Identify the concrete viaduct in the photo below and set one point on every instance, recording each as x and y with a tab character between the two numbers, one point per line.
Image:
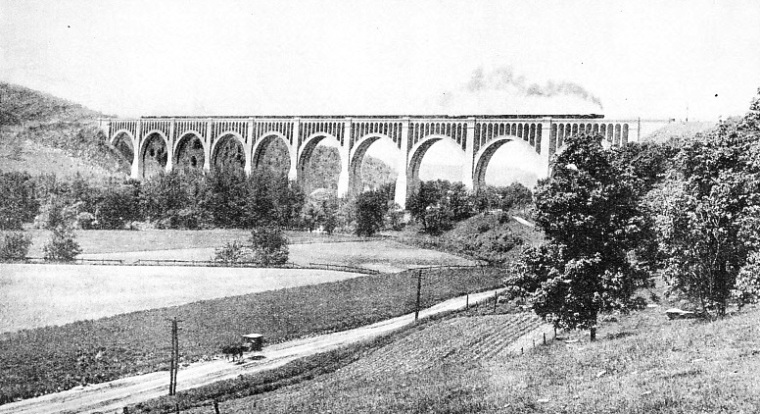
161	143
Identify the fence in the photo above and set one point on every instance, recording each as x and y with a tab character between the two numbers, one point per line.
203	263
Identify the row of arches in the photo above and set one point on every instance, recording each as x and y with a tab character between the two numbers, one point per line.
273	151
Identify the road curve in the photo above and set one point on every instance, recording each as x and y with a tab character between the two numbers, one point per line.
113	396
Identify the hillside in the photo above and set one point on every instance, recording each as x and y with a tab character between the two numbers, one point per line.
678	131
42	134
642	363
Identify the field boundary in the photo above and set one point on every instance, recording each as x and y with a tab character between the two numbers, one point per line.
200	263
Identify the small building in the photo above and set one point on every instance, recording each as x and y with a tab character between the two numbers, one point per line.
253	342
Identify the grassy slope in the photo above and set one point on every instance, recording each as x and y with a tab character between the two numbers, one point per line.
642	363
55	358
40	133
678	130
478	227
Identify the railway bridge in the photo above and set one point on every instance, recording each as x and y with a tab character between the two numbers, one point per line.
164	143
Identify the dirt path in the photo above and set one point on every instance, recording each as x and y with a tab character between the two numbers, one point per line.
113	396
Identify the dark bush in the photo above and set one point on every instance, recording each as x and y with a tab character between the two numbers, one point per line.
14	247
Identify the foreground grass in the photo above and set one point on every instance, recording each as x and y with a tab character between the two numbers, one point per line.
641	363
52	359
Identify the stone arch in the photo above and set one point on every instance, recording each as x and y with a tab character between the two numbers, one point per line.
154	153
485	153
189	150
264	142
305	153
358	153
416	155
125	146
228	152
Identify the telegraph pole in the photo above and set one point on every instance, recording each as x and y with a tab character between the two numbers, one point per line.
174	364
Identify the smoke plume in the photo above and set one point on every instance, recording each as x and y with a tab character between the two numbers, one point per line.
502	90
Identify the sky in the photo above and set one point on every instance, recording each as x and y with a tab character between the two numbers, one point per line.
624	59
649	59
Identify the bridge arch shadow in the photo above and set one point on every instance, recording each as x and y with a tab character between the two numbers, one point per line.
154	153
228	152
269	142
124	142
189	151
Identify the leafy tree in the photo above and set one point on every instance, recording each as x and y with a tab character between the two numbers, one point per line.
233	253
311	215
330	214
708	220
269	246
437	204
118	206
62	247
18	203
370	209
590	211
14	247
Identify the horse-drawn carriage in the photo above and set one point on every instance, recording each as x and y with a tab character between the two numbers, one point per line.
250	343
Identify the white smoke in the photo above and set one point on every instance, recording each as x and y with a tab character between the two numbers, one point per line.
502	91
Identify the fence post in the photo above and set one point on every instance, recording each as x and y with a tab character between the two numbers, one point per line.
216	406
544	338
176	407
495	300
419	288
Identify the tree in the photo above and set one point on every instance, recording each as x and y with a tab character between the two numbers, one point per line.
14	247
590	211
269	246
708	219
18	203
233	253
437	204
370	209
62	247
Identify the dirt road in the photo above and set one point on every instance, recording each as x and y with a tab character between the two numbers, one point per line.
113	396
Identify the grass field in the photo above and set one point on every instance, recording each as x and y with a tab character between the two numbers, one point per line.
382	255
434	367
641	363
51	359
34	296
110	241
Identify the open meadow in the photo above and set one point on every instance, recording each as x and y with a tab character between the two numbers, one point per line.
111	241
34	296
44	360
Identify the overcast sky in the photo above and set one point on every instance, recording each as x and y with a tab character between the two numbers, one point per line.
619	58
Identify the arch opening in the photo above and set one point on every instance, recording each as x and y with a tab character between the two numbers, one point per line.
122	141
435	158
190	153
272	155
229	154
319	165
154	155
374	164
508	160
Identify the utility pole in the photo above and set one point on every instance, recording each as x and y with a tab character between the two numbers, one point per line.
419	288
174	364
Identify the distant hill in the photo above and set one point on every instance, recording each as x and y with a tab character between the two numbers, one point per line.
43	134
678	131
